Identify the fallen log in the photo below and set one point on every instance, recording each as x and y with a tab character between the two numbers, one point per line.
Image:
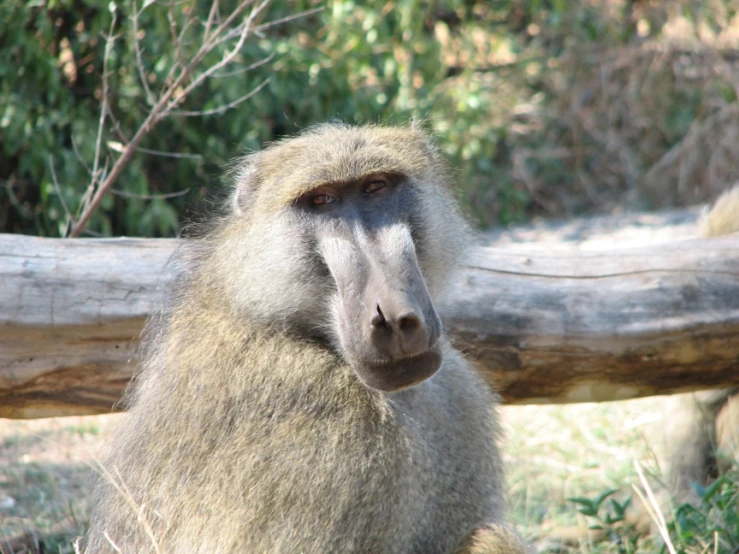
544	324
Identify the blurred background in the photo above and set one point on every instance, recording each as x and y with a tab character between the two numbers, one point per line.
545	108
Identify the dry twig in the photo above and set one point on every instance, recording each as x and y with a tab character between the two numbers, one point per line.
652	506
181	80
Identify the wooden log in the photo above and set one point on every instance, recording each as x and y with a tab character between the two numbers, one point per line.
544	324
70	314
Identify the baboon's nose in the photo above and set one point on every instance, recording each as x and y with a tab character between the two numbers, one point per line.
400	330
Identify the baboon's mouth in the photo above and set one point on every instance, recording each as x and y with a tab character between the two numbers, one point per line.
398	374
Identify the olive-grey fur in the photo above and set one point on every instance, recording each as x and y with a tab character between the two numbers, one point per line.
248	431
701	433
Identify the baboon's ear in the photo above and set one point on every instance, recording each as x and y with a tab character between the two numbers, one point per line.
417	126
425	140
243	194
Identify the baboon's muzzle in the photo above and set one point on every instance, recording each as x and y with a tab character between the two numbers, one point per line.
387	324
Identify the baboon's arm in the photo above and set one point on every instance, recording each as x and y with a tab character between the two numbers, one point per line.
493	539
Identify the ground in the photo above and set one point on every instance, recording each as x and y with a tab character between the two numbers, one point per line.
552	453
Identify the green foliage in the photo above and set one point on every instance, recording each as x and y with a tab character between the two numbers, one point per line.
712	525
51	108
543	106
608	514
591	507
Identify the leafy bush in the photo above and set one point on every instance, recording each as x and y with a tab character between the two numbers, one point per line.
543	106
712	525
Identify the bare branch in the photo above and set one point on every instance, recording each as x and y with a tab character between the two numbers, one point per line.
104	171
137	49
117	130
229	36
211	18
178	39
244	69
119	147
181	37
225	107
169	78
79	157
211	42
167	100
90	190
14	200
165	195
161	110
94	177
288	18
227	58
173	33
67	213
164	154
233	33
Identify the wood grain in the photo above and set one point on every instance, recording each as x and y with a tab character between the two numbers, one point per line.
559	321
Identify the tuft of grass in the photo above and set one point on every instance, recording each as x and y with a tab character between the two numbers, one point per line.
713	524
45	481
574	484
571	476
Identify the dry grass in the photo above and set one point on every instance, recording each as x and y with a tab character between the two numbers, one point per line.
45	479
552	453
640	114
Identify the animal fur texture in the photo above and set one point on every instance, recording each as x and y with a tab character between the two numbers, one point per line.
248	428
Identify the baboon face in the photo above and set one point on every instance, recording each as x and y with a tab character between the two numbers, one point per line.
342	247
386	323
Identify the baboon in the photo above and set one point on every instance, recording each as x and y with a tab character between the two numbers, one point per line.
297	392
702	437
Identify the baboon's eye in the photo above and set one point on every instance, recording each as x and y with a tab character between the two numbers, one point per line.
374	185
322	198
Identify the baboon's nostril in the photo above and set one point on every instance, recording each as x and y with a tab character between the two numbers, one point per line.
409	322
399	329
379	318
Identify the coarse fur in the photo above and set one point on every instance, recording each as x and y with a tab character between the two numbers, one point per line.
702	433
251	424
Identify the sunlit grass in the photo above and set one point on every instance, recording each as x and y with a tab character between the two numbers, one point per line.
552	453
